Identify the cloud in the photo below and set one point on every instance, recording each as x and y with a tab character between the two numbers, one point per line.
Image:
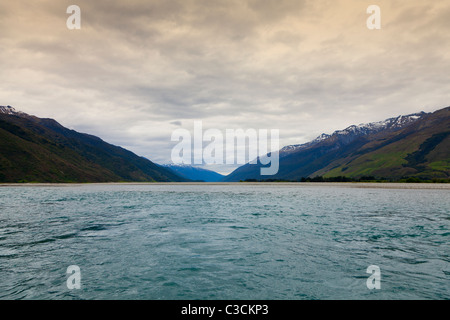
177	123
138	69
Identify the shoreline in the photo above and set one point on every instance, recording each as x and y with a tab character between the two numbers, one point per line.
375	185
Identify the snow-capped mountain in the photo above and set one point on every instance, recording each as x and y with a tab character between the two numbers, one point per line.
373	127
363	129
394	148
296	147
9	110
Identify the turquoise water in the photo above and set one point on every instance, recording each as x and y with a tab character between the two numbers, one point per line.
223	242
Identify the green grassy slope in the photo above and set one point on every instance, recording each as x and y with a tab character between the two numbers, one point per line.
420	150
41	150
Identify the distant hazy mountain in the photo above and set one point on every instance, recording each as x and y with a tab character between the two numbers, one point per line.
42	150
195	173
416	145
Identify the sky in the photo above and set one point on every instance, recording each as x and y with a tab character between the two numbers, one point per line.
138	70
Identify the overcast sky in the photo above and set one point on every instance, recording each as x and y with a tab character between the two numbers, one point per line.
137	70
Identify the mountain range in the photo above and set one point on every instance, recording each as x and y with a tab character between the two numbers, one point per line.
415	145
42	150
411	146
194	173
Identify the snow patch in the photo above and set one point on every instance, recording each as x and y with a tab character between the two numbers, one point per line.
361	129
10	110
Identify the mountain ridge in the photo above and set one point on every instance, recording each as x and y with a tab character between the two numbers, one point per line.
363	128
325	155
195	173
42	150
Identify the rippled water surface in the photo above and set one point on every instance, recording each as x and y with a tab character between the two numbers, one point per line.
223	242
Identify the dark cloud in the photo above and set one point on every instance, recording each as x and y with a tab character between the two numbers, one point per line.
176	123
